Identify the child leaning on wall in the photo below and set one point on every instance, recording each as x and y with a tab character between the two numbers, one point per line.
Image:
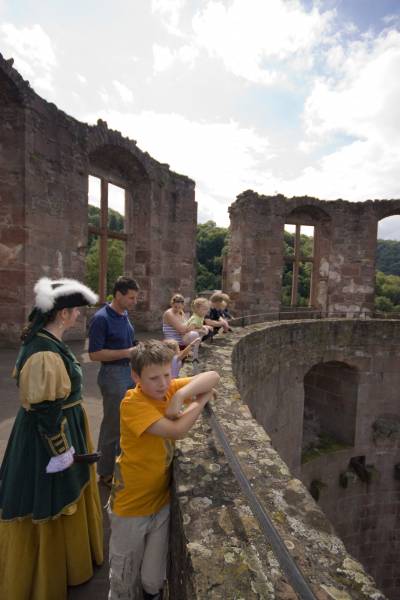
179	355
200	307
152	418
214	317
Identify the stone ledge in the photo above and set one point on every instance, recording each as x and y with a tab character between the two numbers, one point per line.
217	549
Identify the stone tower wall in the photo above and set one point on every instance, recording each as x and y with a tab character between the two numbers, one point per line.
344	256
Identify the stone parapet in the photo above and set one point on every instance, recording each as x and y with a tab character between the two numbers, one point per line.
217	549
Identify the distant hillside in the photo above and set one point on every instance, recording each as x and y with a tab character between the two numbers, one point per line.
388	257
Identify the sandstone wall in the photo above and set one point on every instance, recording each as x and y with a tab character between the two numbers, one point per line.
46	158
344	256
355	388
218	551
12	209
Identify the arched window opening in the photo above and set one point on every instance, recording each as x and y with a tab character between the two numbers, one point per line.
330	409
106	246
297	278
387	272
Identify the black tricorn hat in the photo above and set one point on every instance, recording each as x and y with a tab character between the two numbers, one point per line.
62	293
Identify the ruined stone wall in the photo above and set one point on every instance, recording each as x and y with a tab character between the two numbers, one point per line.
345	247
217	548
278	367
45	161
12	209
253	267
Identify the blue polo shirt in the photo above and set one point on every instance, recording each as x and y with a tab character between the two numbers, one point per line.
112	331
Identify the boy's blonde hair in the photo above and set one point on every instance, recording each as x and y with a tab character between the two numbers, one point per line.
225	297
200	301
150	352
217	297
172	344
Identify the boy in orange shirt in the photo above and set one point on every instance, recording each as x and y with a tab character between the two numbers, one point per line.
152	418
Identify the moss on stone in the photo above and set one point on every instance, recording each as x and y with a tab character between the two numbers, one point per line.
324	445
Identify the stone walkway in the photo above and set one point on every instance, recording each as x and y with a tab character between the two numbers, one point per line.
97	587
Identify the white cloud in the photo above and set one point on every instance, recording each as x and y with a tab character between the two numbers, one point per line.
365	100
389	228
223	158
105	96
362	105
124	92
81	78
164	58
170	11
248	34
33	52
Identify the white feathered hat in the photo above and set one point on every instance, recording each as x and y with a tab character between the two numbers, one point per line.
62	293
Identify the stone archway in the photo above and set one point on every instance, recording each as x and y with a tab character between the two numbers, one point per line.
330	408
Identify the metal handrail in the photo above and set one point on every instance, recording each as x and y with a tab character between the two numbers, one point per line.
286	561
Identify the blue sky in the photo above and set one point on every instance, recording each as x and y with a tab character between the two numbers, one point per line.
290	96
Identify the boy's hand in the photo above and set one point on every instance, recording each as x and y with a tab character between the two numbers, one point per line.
206	397
175	407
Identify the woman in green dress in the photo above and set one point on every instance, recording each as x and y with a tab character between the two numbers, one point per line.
50	513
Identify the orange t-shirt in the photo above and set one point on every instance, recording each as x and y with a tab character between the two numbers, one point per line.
143	469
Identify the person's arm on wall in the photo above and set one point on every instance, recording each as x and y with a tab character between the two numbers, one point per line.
177	429
199	384
187	350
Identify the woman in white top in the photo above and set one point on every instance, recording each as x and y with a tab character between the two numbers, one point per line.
174	325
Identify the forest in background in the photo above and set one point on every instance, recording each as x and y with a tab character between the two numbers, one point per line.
211	245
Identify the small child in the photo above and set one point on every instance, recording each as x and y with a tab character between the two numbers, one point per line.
214	316
200	307
151	419
179	355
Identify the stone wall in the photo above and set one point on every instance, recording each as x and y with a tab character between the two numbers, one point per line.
350	371
45	160
345	235
218	551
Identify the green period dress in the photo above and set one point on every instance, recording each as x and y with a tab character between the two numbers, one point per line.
50	524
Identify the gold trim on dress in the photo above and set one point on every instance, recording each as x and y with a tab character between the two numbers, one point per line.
58	443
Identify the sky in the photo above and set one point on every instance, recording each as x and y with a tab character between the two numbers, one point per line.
299	97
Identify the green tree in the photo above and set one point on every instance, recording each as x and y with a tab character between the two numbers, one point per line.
383	304
388	257
115	254
115	221
115	264
304	281
387	292
211	241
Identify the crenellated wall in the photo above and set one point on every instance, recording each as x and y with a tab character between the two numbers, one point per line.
218	551
46	158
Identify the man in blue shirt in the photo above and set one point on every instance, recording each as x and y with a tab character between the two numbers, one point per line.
111	339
